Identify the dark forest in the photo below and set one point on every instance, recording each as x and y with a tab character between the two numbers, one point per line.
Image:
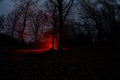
60	39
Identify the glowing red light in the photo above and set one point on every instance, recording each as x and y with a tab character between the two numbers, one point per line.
48	43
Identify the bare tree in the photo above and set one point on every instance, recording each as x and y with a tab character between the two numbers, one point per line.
63	8
55	24
110	11
12	21
37	24
90	13
105	15
52	11
26	8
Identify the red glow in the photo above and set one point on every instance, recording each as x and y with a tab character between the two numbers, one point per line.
48	42
46	46
33	51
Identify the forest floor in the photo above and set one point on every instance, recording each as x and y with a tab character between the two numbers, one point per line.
73	64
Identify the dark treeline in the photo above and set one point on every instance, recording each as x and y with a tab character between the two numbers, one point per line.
74	22
101	20
98	24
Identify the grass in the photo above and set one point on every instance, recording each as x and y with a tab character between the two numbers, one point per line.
74	64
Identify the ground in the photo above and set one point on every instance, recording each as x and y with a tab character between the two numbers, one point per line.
76	64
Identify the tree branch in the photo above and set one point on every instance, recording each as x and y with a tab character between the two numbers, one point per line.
67	5
54	3
70	5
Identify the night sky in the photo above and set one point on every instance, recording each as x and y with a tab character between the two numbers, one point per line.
7	5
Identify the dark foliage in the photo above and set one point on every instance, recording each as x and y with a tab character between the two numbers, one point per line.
8	42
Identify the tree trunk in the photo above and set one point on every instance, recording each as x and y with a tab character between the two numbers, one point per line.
53	36
60	29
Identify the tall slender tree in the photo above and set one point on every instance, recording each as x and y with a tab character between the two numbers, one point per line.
62	8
